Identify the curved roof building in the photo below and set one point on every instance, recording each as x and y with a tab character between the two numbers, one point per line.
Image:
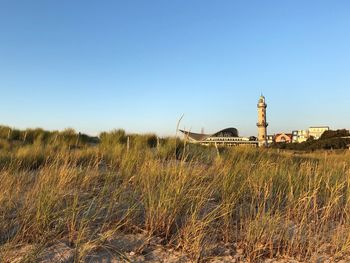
226	137
228	132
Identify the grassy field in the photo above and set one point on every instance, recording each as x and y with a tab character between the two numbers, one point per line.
262	203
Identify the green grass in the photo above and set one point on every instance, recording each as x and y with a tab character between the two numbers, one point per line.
269	204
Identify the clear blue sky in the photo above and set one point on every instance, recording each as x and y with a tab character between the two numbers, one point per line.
140	65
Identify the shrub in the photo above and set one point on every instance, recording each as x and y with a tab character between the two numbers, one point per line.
335	134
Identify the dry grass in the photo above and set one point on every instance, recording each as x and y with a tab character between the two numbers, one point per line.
265	203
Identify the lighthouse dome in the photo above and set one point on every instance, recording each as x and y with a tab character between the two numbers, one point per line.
262	99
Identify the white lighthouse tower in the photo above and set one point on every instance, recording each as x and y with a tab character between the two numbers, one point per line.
262	124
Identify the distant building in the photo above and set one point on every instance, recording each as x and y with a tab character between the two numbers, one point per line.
270	139
283	137
226	137
294	136
300	136
317	131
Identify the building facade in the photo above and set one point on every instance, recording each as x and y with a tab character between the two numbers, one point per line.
317	131
300	136
270	139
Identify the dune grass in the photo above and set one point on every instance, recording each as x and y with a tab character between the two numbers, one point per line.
265	203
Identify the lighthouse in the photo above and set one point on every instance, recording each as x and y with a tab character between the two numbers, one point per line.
262	124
